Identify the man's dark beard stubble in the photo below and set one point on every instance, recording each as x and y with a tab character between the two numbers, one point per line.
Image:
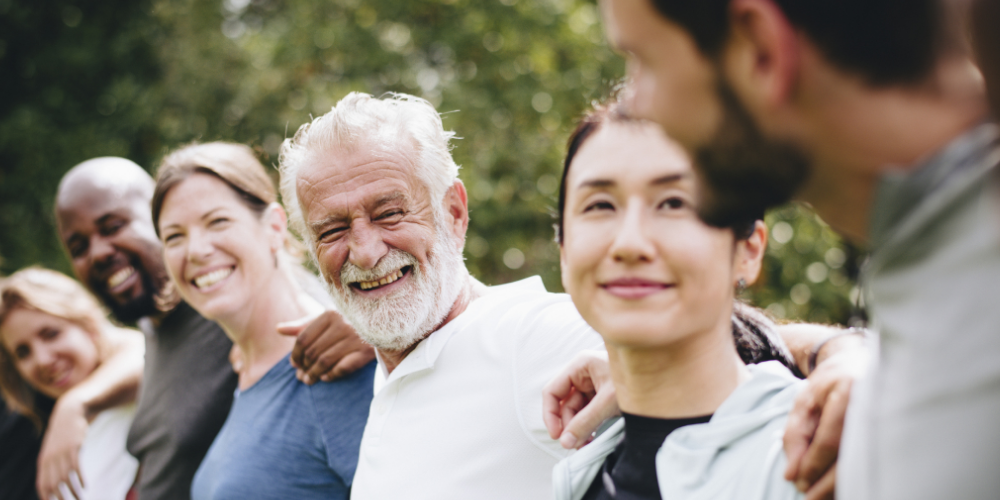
139	307
742	172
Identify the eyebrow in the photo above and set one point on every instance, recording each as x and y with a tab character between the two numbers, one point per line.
204	216
606	183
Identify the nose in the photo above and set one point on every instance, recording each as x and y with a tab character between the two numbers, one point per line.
631	245
199	246
101	250
42	357
365	245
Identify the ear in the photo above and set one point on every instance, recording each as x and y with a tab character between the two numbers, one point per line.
456	205
749	255
761	57
276	222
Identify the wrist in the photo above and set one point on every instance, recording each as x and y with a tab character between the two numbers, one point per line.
833	344
73	402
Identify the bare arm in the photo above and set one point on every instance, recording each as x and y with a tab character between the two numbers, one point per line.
802	339
116	381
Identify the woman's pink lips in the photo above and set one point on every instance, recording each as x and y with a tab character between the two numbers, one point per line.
633	288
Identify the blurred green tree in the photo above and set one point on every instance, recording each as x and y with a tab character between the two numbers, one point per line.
138	78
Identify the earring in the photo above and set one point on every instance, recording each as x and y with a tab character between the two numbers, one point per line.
741	285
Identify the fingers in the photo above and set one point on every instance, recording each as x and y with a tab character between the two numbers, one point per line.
52	472
601	407
354	360
293	328
802	423
570	381
824	488
321	356
329	348
308	330
822	452
553	394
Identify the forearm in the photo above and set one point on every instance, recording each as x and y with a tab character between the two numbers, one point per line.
803	338
116	381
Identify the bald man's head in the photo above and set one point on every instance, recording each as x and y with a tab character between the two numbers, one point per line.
102	212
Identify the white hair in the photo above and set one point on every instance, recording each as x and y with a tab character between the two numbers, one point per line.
360	120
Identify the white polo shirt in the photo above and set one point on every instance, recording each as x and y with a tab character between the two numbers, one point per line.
461	416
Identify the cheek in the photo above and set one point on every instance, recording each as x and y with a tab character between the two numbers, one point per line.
330	258
173	260
705	267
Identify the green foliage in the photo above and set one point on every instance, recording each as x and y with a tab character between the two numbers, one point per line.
137	78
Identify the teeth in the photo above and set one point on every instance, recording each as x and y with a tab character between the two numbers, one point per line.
209	279
391	277
120	276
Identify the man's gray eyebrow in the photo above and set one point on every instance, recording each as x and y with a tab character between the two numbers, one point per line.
389	198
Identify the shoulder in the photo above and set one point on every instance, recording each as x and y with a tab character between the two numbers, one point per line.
348	396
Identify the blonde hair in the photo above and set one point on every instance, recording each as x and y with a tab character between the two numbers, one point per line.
55	294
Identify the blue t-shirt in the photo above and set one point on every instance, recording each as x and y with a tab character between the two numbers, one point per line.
284	439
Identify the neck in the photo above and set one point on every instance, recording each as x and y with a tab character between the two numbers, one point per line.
856	134
254	330
471	290
689	378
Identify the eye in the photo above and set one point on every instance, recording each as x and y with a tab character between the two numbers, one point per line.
598	205
388	215
673	203
49	333
218	220
111	227
77	248
171	237
331	233
22	352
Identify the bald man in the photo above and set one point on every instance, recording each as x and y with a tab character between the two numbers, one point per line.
104	221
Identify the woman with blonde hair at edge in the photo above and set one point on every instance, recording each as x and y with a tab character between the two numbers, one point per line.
54	335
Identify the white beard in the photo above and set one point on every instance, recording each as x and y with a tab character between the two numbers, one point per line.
399	320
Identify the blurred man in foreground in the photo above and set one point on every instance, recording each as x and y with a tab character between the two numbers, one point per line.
103	214
870	111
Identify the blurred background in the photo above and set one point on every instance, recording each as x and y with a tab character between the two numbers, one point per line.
137	78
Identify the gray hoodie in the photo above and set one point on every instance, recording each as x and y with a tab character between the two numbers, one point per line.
737	455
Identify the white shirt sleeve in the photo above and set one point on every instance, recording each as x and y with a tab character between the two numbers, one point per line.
551	333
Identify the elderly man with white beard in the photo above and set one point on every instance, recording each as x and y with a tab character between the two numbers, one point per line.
374	191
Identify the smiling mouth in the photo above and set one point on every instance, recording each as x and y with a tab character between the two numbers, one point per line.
208	279
383	281
120	276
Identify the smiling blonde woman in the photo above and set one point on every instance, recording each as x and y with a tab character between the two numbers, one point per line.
54	335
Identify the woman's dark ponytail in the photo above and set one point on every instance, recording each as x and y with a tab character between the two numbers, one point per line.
757	338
